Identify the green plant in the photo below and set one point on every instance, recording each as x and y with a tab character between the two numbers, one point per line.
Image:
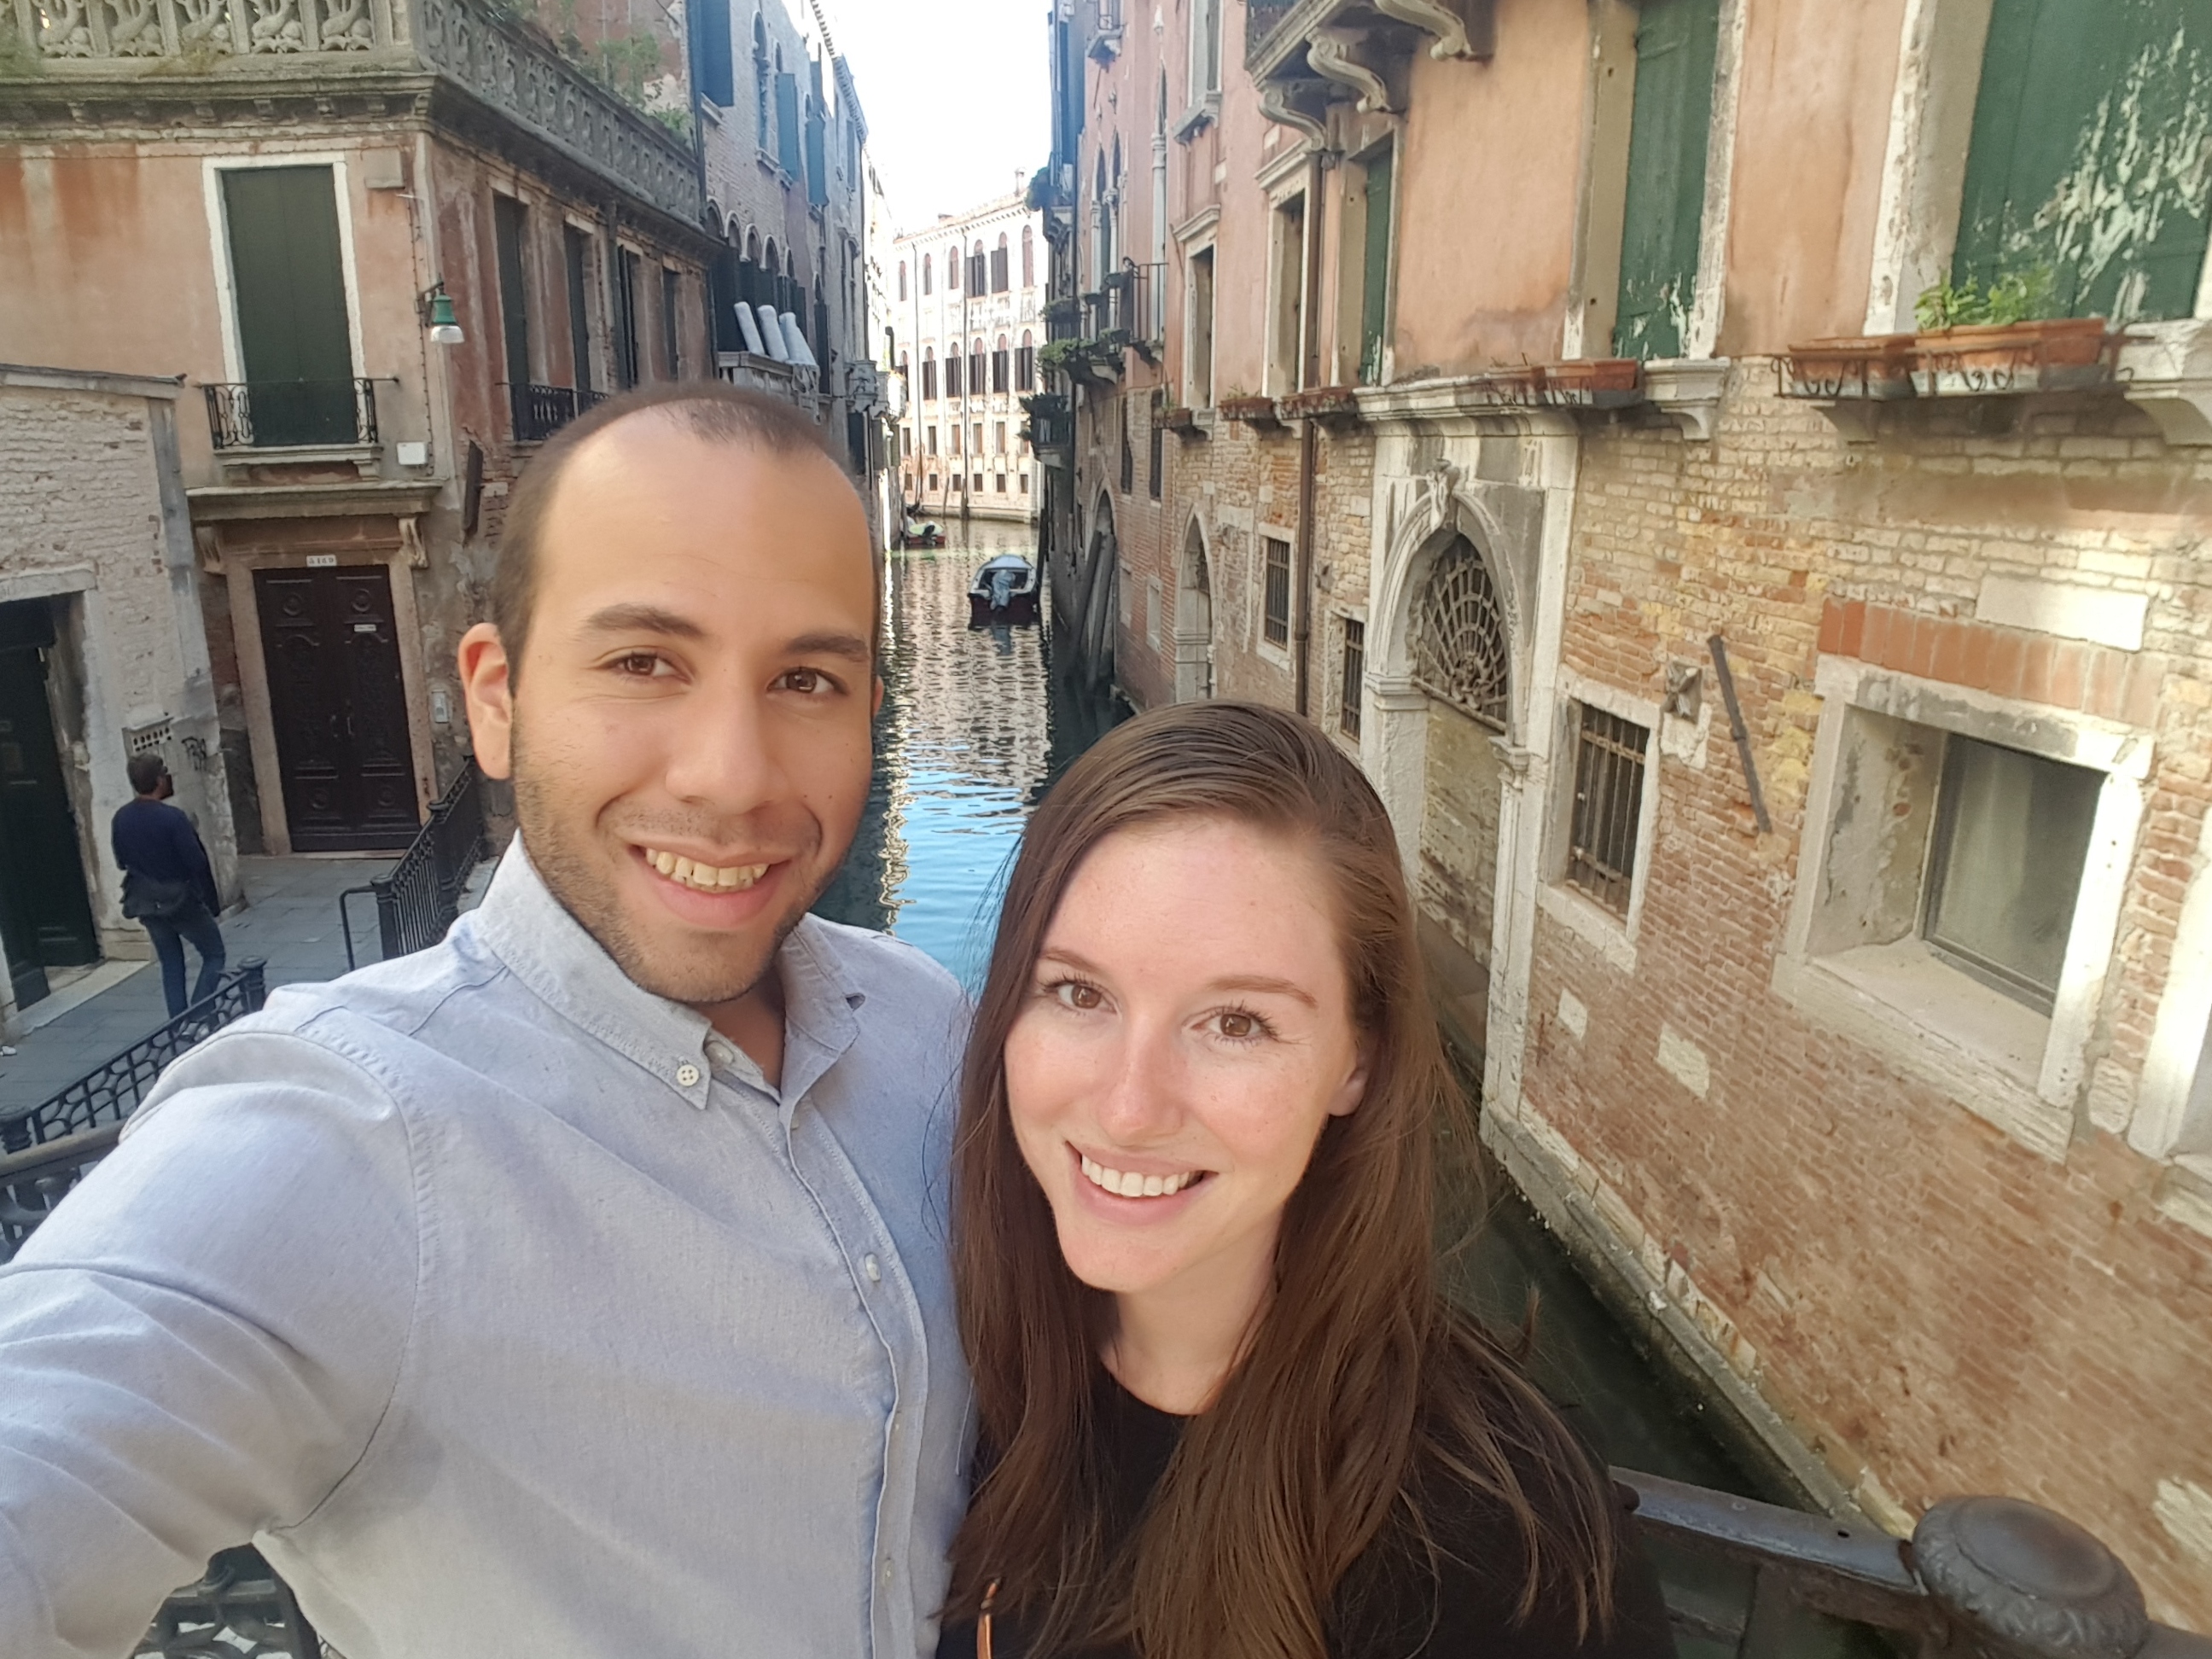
1054	356
2017	296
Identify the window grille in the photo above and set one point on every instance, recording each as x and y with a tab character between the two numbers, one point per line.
1275	624
1355	671
1459	635
1608	807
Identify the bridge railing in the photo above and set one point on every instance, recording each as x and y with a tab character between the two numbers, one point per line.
418	897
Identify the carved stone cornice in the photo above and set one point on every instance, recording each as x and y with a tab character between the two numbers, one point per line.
1321	51
1344	56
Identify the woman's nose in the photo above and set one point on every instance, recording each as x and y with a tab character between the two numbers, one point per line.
1143	1100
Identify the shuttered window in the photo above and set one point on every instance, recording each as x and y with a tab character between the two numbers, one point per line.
510	232
1677	43
2091	130
286	275
580	314
1375	271
787	122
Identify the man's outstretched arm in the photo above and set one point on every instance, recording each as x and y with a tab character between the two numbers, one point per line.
201	1342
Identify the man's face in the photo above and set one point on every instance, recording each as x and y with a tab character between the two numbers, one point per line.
688	730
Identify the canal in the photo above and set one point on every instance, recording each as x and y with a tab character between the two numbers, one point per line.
973	728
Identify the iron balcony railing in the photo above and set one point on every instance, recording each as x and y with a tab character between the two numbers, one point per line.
542	410
291	414
45	1150
418	898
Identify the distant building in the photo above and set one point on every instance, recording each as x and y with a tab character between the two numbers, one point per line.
967	294
296	208
784	143
103	656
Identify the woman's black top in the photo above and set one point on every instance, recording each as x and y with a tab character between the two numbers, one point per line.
1393	1606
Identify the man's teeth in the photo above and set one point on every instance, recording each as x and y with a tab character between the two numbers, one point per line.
705	878
1129	1184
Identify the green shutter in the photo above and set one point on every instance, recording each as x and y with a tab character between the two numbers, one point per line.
787	123
1375	272
289	285
2090	154
1677	42
507	229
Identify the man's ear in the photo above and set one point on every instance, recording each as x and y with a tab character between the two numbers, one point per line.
488	687
876	700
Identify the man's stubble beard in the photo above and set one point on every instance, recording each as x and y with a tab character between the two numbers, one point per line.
572	875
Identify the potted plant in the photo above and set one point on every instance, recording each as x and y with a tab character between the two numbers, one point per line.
1180	419
1257	412
1874	366
1594	383
2001	337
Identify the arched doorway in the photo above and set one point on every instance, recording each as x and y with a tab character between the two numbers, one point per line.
1194	620
1461	662
1100	584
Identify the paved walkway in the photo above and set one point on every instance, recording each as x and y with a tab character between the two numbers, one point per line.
291	919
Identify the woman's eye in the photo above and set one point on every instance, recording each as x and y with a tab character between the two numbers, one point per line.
1241	1026
1075	994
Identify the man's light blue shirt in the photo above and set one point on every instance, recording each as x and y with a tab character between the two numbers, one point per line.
510	1311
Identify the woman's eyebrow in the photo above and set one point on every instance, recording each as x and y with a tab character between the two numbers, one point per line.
1266	983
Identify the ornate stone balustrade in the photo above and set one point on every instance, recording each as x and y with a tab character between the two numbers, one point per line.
499	60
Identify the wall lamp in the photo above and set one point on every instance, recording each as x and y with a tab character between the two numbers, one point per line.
436	309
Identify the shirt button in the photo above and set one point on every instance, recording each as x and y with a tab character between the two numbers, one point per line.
887	1572
873	1268
686	1076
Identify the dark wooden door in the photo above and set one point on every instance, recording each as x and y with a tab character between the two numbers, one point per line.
336	699
46	910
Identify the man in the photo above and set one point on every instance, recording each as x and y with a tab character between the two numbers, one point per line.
575	1287
167	882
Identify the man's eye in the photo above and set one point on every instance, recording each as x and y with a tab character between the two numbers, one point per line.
807	682
640	664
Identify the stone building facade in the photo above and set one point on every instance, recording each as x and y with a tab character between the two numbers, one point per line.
967	298
1540	399
103	656
784	145
282	213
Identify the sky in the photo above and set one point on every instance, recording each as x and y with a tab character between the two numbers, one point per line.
957	97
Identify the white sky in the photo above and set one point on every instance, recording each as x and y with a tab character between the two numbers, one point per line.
957	97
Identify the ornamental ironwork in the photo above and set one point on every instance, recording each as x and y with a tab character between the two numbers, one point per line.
1459	635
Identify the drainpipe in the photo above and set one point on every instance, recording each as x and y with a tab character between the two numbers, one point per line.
1309	369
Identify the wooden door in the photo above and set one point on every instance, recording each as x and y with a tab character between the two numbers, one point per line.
46	910
336	699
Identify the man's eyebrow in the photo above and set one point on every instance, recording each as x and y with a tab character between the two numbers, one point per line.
641	619
853	647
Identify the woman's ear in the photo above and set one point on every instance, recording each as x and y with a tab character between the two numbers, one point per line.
1354	1087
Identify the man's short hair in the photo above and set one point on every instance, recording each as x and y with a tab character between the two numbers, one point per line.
708	408
145	772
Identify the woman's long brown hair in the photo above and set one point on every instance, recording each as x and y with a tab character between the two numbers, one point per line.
1358	1381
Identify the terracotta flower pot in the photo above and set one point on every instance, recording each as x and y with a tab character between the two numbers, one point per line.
2051	354
1878	366
1595	383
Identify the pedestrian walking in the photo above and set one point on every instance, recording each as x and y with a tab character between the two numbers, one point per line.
167	882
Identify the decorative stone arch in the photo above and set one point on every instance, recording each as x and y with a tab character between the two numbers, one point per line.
1194	616
1098	581
1450	643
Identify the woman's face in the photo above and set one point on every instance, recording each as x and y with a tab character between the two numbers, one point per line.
1186	1035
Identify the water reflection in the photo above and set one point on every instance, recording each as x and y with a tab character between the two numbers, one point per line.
973	726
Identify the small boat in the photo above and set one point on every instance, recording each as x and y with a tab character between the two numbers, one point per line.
1005	590
914	531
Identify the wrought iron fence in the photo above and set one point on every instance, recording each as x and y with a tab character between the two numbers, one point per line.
418	898
542	410
110	1092
240	1610
277	414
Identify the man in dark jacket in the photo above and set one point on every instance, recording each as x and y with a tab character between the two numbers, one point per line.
167	882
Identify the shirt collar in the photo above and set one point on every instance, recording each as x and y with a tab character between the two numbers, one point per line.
548	950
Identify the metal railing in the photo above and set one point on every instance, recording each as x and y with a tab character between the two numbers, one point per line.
542	410
240	1610
418	898
1994	1577
288	414
45	1150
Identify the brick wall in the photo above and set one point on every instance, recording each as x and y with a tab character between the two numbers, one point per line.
1934	1307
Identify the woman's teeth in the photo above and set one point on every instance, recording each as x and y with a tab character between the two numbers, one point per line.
705	878
1129	1184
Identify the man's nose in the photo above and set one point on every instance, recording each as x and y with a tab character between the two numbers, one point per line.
719	756
1143	1098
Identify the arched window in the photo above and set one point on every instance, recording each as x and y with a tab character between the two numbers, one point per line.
929	374
791	264
952	268
925	273
763	86
1029	259
1101	239
1459	635
999	265
902	279
1025	363
975	381
1001	366
752	245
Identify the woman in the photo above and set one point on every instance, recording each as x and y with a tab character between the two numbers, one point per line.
1224	1411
